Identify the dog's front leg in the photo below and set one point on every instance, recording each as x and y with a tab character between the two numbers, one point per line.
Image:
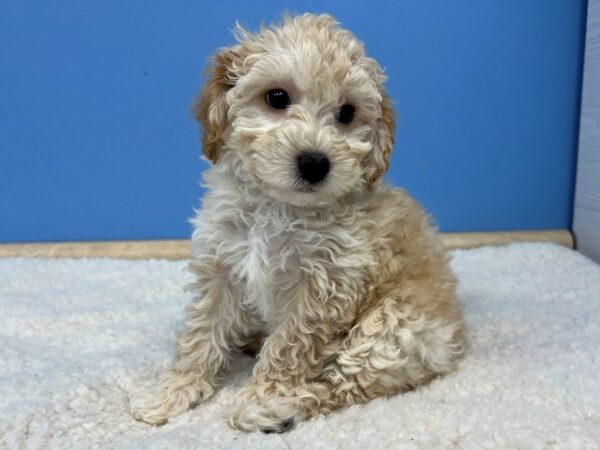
279	393
214	325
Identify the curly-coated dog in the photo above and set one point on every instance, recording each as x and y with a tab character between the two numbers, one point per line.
300	246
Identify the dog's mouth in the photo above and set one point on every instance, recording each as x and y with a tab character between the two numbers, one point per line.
301	185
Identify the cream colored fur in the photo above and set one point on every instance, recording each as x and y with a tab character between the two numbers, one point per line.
346	286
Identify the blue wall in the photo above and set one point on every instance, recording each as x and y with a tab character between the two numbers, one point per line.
96	141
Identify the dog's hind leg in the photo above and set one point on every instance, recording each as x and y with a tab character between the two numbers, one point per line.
393	348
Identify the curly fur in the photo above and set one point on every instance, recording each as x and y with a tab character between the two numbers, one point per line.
345	287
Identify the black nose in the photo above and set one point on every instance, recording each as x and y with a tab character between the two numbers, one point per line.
313	166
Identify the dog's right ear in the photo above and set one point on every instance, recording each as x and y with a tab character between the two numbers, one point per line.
210	107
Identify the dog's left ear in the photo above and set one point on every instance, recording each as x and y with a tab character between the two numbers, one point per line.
383	142
210	107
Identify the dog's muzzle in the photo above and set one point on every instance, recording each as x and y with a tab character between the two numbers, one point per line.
313	166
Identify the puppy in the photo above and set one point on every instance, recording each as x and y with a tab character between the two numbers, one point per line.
300	246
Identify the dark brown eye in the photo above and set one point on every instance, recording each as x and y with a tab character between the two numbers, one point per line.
346	114
277	98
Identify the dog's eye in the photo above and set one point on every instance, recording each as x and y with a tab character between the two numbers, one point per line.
346	114
277	98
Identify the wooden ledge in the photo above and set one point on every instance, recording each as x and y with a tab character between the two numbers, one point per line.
179	249
160	249
476	239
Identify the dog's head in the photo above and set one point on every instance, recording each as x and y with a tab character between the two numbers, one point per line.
304	109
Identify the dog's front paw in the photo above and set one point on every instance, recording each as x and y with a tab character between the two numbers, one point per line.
177	393
152	408
270	415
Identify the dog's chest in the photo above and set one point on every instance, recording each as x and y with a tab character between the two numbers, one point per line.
277	255
269	265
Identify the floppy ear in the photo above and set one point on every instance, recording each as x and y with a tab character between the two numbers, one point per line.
210	107
383	142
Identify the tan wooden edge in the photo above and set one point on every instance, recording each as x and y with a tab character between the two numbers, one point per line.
471	240
179	249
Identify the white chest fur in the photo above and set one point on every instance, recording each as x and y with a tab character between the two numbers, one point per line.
271	249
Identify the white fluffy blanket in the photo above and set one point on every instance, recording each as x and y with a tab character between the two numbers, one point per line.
75	335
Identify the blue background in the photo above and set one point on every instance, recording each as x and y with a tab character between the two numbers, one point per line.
96	139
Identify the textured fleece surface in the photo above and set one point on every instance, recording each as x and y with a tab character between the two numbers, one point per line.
77	335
